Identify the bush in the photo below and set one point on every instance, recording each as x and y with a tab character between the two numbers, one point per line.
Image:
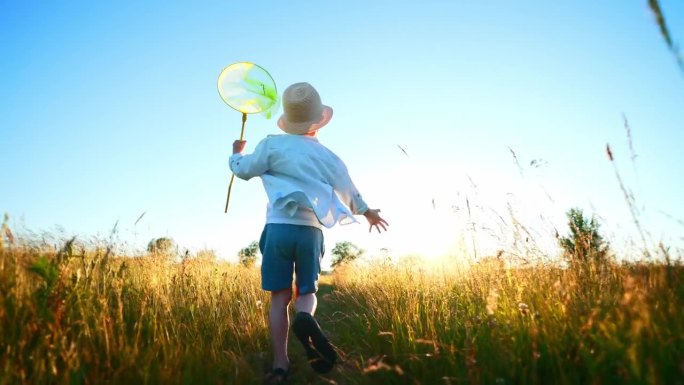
584	247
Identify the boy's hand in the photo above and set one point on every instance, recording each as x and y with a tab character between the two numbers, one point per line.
375	220
238	146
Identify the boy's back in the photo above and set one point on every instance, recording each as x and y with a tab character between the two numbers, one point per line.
302	157
306	183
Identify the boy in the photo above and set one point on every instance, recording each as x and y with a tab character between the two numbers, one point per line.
308	187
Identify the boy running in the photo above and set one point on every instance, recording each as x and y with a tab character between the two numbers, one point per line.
308	187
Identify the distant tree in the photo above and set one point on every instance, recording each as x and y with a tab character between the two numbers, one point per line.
345	252
248	255
584	246
162	246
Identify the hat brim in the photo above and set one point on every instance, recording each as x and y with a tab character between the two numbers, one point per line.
301	128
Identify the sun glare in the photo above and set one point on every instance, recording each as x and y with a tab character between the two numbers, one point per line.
437	217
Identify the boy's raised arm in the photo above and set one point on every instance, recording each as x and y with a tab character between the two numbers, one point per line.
250	165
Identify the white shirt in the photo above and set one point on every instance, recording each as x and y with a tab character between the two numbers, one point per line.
306	183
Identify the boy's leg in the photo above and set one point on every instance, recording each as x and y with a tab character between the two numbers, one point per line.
279	322
276	276
306	303
319	351
310	249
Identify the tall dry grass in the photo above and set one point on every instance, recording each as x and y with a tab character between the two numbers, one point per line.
84	316
79	316
491	325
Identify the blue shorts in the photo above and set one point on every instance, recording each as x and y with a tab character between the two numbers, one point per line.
288	249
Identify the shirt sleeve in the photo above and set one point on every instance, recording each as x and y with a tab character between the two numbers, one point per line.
347	191
251	165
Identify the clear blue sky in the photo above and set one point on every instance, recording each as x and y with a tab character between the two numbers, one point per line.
110	109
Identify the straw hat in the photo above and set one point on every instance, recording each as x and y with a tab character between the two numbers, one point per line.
303	110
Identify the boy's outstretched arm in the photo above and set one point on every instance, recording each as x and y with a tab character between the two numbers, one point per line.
375	220
346	190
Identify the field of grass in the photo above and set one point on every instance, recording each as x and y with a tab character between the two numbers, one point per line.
81	315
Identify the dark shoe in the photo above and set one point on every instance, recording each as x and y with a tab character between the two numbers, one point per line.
319	351
277	376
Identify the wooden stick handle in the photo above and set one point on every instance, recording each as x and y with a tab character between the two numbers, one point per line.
230	187
242	131
232	177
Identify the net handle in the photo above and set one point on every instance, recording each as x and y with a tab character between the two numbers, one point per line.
232	177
